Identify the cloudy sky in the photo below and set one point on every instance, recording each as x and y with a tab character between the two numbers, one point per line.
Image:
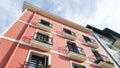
98	13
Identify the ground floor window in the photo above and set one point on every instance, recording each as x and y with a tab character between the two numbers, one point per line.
75	65
37	60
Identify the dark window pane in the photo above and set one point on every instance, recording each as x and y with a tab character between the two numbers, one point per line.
67	31
38	61
87	39
77	66
45	23
72	47
96	54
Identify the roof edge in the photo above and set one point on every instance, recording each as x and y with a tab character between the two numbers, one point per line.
56	18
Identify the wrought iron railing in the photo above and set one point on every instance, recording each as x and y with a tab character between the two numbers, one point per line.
40	38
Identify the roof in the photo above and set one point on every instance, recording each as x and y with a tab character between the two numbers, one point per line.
56	18
106	32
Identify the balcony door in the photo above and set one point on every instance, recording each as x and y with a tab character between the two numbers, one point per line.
38	62
96	54
72	47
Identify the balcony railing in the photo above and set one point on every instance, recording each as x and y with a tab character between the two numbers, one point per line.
32	65
104	62
80	56
47	41
41	42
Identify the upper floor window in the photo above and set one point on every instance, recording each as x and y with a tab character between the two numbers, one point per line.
46	23
68	31
87	39
74	65
96	54
72	47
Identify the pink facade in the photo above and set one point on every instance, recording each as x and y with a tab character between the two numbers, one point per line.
15	44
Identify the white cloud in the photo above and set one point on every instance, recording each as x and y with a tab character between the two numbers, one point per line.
98	13
10	10
107	15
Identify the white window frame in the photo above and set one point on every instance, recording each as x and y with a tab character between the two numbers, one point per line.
38	54
83	64
73	42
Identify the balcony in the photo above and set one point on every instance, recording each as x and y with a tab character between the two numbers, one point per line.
103	62
92	44
69	34
44	25
77	56
42	42
117	43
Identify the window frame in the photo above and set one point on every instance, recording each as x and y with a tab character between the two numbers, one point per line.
75	62
69	30
37	53
91	40
44	33
46	22
73	42
94	54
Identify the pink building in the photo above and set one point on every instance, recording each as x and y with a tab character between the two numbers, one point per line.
38	39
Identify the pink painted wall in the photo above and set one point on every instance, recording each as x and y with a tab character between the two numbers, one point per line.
25	32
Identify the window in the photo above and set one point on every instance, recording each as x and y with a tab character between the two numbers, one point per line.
37	60
43	38
96	54
68	32
87	39
45	23
74	65
72	47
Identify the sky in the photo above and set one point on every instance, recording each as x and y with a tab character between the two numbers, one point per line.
98	13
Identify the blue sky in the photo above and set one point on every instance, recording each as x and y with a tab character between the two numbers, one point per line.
98	13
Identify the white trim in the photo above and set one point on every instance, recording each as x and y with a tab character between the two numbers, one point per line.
55	52
21	42
10	39
38	53
56	33
32	25
23	21
14	40
83	64
92	63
